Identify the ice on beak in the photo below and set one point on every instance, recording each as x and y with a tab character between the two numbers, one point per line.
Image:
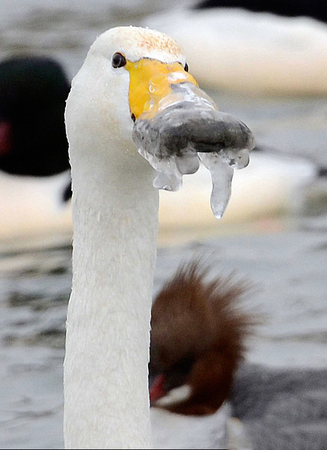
185	127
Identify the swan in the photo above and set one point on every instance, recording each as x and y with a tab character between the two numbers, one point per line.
132	88
250	52
34	166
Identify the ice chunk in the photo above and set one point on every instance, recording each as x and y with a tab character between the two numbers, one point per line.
237	158
169	176
184	127
188	163
221	175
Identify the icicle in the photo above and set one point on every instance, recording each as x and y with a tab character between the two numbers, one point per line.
221	175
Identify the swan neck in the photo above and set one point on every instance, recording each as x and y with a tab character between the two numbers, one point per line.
115	212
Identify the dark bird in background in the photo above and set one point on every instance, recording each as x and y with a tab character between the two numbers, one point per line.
291	8
33	91
198	341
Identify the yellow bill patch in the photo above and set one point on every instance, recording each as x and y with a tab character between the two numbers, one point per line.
150	83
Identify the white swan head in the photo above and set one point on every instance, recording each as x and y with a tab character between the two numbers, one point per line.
134	86
132	95
114	79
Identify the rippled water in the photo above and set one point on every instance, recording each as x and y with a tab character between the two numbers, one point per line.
288	263
289	270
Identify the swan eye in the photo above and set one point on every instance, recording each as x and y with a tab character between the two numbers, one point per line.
186	67
118	60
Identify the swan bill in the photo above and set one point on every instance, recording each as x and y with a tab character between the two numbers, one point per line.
150	82
186	126
173	115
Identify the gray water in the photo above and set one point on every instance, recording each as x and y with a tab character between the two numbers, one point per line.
286	258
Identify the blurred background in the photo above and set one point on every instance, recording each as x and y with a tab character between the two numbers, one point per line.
268	70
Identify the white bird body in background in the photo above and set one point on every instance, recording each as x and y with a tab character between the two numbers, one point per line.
252	52
34	206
